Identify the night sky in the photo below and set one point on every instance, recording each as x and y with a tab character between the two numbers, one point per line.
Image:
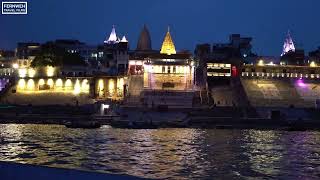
190	21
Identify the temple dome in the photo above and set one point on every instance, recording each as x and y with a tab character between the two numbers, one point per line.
168	45
113	39
144	42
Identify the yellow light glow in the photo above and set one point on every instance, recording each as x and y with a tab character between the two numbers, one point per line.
100	87
261	63
41	82
313	64
50	71
100	84
21	84
22	73
30	85
59	84
77	87
31	72
120	83
50	83
68	84
168	45
85	86
111	87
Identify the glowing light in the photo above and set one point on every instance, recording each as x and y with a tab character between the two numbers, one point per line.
288	45
77	87
260	63
313	64
50	71
111	87
124	39
100	84
68	84
22	73
100	87
15	66
31	72
21	84
59	84
50	83
271	63
113	39
120	84
185	69
85	86
300	83
30	85
105	106
41	82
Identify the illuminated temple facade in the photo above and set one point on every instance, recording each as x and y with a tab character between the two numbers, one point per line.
164	70
166	76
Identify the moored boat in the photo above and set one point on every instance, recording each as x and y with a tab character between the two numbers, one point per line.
83	124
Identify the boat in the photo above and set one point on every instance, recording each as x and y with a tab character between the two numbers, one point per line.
133	125
83	124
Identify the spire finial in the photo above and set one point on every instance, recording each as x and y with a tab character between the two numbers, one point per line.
168	28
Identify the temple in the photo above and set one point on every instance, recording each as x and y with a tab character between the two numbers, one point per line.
113	39
160	73
144	42
288	45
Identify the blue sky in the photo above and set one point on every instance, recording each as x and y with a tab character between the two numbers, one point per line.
190	21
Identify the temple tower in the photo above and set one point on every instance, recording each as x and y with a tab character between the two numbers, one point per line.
288	44
168	45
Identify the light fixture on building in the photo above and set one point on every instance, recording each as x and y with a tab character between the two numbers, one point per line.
50	71
31	72
313	64
260	63
22	73
15	66
271	63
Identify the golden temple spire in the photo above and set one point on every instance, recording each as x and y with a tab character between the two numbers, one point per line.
168	45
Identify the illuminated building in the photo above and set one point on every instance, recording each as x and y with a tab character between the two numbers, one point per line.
219	62
110	88
164	71
25	53
114	55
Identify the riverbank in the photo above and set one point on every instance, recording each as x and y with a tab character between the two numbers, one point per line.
141	118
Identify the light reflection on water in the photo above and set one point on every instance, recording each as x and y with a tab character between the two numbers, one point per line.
166	153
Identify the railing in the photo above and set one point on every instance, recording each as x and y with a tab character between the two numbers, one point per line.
280	75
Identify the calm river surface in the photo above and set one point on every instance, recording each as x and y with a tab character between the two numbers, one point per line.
166	153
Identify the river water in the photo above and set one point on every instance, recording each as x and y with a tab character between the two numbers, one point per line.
166	153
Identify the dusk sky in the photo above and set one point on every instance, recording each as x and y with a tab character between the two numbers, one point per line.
190	21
